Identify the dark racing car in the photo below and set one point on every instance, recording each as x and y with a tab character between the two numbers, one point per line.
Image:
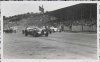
35	32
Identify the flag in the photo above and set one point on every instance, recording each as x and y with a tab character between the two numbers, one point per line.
41	9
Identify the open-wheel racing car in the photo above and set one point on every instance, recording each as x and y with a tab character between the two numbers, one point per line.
35	32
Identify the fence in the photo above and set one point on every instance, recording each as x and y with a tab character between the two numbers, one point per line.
83	28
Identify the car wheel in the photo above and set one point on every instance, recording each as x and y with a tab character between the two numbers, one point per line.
46	35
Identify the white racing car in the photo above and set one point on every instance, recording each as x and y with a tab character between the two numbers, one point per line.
54	29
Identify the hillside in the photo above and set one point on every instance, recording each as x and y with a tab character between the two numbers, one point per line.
30	20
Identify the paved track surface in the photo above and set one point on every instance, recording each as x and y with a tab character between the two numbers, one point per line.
64	45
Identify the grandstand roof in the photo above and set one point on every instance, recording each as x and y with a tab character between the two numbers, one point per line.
76	12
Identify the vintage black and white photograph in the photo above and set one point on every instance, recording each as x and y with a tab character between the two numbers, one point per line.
49	30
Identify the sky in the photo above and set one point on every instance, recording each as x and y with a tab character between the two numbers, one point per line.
14	8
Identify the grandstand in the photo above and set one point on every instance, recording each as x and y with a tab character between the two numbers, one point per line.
81	17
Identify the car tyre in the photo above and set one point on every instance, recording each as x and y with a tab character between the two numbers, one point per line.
46	35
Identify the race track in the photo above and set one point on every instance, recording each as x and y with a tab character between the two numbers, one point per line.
64	45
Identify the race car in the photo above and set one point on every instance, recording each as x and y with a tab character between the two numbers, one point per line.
35	32
9	30
55	29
